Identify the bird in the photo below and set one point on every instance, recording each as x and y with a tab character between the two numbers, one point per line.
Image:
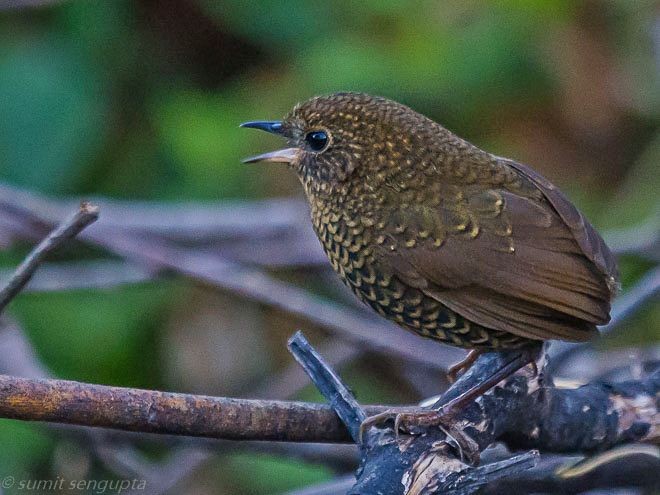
439	236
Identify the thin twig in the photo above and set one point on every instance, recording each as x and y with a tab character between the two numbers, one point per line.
627	466
86	214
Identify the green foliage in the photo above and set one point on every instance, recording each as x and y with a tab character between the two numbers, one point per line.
24	447
275	475
100	336
52	113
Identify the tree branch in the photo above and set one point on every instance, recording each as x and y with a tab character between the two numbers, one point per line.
83	404
618	413
587	419
634	465
358	326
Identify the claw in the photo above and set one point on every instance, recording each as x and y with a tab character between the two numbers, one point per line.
374	420
467	448
535	369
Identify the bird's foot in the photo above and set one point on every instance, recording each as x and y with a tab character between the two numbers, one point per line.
375	420
462	366
415	423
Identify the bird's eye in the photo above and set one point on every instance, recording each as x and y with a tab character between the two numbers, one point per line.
317	140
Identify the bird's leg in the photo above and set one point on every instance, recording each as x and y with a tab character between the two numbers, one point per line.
463	365
443	414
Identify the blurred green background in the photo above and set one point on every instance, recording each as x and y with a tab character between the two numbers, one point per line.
142	100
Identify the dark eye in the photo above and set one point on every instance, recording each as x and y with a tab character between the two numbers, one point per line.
317	140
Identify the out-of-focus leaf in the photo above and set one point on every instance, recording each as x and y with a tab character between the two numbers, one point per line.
274	21
201	135
98	336
454	72
52	114
22	447
262	474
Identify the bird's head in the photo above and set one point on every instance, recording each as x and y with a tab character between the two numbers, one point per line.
334	139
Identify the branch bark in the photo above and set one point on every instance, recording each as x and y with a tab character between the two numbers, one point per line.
594	417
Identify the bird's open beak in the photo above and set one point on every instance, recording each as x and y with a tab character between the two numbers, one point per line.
287	155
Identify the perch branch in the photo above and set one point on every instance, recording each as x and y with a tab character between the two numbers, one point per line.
587	419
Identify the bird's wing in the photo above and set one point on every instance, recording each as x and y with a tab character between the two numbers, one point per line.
503	260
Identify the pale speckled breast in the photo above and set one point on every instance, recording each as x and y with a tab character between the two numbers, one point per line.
349	246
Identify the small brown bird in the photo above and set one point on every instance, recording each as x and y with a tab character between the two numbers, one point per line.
446	240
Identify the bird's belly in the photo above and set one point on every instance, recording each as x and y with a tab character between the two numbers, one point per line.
413	310
407	306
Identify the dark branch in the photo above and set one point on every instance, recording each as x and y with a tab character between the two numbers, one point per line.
341	399
587	419
628	466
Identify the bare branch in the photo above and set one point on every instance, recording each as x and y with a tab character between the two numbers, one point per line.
62	401
634	465
359	326
86	214
237	224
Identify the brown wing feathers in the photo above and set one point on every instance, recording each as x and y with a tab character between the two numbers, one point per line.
526	272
